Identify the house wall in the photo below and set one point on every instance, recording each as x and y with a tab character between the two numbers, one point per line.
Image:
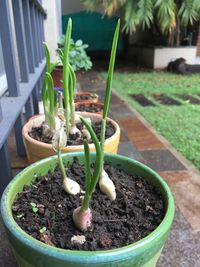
52	26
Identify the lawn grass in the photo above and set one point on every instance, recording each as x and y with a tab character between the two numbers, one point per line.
180	125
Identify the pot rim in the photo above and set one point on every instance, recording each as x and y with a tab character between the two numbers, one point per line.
27	126
94	256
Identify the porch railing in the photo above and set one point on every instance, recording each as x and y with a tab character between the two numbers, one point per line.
22	35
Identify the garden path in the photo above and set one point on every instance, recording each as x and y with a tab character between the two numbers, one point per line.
141	142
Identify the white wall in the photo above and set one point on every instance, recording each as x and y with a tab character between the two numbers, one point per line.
159	57
51	26
163	56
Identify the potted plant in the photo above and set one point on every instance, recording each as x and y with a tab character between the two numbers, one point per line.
78	59
54	220
39	130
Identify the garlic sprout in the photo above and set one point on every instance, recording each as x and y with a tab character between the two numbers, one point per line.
106	185
59	142
82	216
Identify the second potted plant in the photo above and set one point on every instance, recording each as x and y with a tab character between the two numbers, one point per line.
38	131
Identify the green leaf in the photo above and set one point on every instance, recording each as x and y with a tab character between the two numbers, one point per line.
48	61
79	42
110	71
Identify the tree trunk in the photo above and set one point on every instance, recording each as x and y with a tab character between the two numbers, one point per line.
198	44
178	32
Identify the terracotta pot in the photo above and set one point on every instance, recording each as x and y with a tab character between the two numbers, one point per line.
93	99
30	252
37	150
57	76
87	104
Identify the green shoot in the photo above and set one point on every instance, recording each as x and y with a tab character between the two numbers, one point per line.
58	143
48	60
42	230
105	183
34	207
91	182
82	216
72	78
49	100
61	54
109	87
66	73
49	66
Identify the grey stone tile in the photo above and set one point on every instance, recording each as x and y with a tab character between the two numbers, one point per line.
123	136
162	160
128	149
183	246
121	111
6	257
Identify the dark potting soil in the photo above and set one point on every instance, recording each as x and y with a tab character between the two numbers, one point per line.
136	212
165	100
142	100
36	133
189	98
89	108
84	97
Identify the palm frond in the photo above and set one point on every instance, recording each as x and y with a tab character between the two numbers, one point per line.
189	11
166	14
91	5
131	17
145	13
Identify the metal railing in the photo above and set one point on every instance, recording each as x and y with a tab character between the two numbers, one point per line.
22	35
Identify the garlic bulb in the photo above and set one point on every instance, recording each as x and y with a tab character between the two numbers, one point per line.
71	186
82	219
107	186
59	138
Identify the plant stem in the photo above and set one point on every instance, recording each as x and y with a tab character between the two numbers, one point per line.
87	196
66	74
71	97
86	202
102	141
62	167
108	90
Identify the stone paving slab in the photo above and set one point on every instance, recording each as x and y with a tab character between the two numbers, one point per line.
127	149
182	248
140	135
6	257
162	160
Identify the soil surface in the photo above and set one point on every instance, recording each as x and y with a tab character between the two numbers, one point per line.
136	212
84	97
142	100
36	133
165	100
189	98
89	108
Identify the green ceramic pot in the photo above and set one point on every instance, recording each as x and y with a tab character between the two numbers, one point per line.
30	252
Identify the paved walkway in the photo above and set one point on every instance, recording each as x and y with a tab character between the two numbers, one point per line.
141	142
